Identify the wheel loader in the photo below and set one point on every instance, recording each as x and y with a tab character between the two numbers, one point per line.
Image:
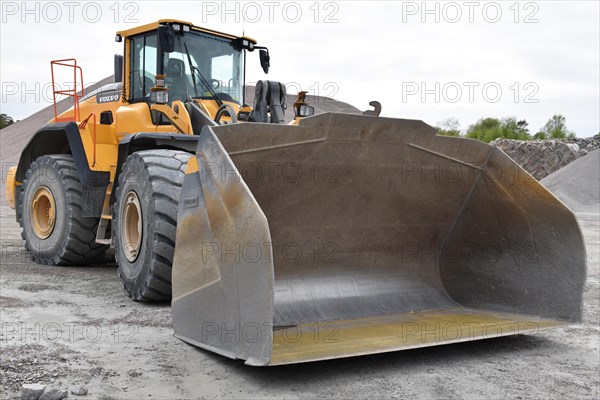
336	235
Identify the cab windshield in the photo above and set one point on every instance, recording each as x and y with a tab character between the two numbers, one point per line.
202	66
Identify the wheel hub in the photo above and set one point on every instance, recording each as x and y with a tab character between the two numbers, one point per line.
43	212
131	226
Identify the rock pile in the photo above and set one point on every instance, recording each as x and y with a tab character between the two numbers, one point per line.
542	157
586	144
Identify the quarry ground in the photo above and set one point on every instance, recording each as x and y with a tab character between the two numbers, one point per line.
66	326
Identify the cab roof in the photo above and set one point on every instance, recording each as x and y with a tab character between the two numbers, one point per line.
154	25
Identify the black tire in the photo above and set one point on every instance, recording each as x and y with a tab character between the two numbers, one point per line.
154	178
72	240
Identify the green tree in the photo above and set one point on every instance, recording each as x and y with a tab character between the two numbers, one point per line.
555	128
488	129
449	127
5	121
540	136
516	128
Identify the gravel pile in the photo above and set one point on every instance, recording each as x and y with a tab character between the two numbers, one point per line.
578	184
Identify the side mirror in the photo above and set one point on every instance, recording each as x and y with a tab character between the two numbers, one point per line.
265	59
118	77
166	38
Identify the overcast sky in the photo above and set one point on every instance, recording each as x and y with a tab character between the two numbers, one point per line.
425	60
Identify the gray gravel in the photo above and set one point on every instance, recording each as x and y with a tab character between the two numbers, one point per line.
67	326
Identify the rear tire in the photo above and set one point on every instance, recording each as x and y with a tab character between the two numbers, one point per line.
145	220
50	214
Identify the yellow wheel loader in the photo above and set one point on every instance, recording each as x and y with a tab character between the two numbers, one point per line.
336	235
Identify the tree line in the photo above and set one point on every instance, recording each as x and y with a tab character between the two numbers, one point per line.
5	121
488	129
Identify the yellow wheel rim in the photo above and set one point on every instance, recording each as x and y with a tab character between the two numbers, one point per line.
43	212
131	226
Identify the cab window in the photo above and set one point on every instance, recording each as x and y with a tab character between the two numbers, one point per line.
143	66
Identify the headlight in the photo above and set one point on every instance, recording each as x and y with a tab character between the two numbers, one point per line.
244	113
303	110
159	96
243	116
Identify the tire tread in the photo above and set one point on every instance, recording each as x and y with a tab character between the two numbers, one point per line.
76	249
165	170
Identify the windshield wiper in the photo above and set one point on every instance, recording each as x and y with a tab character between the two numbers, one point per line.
195	69
191	67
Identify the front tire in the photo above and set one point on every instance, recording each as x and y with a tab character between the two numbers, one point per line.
50	214
145	220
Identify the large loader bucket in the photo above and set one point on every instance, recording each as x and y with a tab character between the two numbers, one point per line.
350	235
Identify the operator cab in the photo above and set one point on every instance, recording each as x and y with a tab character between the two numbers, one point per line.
200	66
173	61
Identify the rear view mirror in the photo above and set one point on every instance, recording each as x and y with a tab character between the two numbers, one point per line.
166	37
118	75
265	60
